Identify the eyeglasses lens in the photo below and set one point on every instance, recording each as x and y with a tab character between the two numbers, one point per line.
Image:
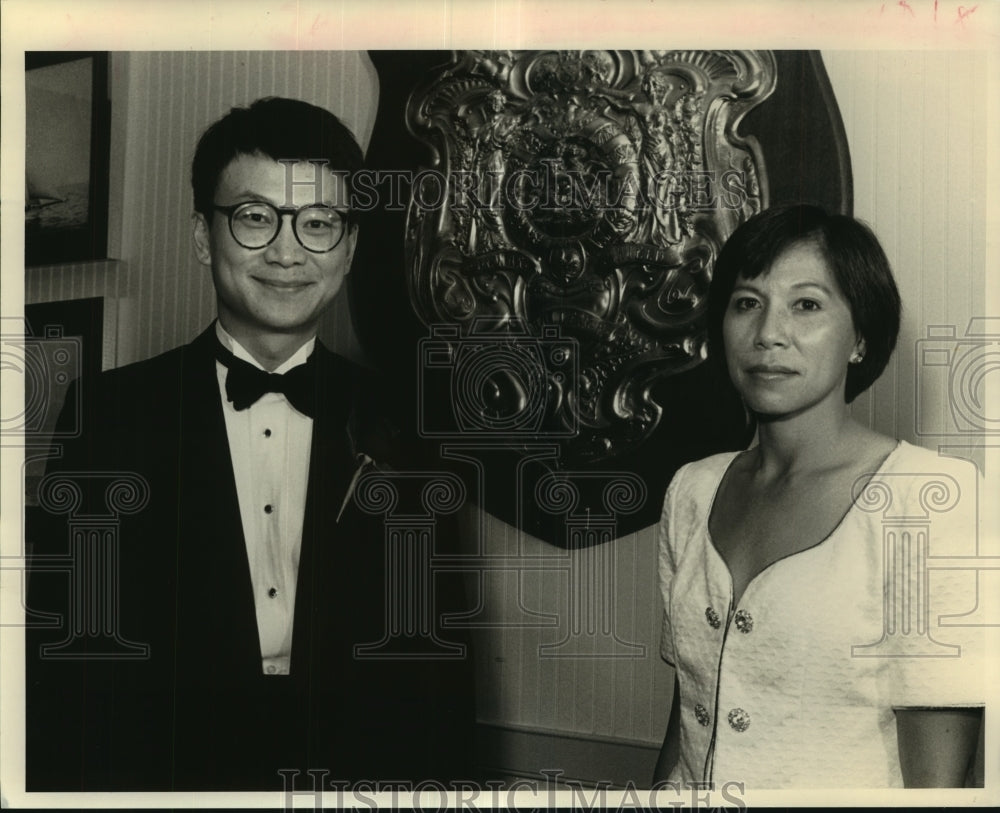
318	228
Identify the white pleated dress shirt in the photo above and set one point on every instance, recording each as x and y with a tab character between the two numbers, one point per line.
269	444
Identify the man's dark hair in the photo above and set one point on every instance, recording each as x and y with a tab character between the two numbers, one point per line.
854	256
280	129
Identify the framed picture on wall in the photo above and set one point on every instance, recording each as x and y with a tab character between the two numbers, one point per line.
67	113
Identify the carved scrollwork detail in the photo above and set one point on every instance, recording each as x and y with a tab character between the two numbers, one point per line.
588	190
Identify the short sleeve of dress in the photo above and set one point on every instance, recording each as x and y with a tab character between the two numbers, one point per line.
936	607
667	547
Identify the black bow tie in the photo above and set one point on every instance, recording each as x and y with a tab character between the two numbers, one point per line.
245	383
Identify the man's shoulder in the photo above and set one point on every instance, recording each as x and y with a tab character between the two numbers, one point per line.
139	393
358	386
373	410
154	368
334	364
159	372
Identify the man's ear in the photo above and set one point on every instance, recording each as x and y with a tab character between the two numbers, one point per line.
202	239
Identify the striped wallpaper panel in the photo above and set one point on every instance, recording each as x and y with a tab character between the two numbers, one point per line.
916	124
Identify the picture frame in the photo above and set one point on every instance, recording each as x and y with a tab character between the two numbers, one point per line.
67	154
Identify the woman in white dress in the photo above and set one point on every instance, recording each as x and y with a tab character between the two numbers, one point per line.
812	646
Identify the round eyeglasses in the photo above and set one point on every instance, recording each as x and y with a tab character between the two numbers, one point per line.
256	223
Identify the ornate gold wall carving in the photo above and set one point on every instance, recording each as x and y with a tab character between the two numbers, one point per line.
590	192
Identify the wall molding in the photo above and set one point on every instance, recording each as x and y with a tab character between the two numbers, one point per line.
556	757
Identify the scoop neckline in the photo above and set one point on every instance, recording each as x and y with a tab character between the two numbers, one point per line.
833	532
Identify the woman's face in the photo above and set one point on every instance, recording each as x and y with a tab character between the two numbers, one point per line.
789	335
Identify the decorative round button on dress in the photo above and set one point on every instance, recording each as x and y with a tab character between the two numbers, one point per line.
701	714
739	720
744	621
713	618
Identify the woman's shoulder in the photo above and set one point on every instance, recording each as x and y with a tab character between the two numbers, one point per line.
702	477
920	483
881	463
908	459
688	500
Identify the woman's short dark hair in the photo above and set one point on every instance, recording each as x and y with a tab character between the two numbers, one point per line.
855	257
280	129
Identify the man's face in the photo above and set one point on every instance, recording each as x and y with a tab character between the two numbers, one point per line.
282	288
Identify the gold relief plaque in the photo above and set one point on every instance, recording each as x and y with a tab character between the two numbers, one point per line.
580	199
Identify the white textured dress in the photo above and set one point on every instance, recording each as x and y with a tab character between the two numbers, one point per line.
796	686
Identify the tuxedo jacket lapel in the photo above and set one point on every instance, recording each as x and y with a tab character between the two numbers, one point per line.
211	547
330	472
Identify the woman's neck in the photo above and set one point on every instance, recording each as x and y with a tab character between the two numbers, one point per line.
805	443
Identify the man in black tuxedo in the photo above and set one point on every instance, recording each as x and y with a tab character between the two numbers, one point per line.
247	576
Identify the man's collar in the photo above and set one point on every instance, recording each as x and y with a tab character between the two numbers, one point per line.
298	357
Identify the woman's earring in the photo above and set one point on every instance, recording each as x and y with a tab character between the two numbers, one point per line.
856	357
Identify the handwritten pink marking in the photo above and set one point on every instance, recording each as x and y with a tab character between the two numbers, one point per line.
963	13
904	4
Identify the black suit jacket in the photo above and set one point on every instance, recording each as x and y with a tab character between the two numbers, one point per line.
197	713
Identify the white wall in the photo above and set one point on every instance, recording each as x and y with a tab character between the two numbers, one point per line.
917	127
